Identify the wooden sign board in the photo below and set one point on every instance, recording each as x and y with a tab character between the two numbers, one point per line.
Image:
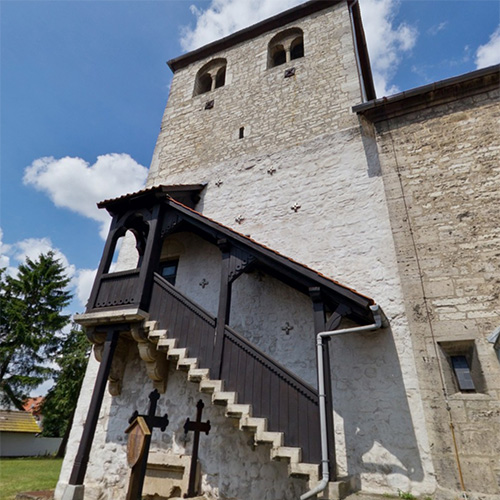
138	431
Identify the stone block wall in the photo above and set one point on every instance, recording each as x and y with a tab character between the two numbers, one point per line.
441	174
276	112
304	181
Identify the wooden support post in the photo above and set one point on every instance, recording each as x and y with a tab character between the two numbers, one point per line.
319	326
151	258
223	310
82	456
107	257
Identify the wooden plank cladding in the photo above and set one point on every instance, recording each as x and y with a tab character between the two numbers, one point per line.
118	289
191	325
290	405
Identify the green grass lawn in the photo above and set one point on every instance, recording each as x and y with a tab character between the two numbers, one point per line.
27	474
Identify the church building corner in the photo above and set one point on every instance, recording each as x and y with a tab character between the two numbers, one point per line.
298	304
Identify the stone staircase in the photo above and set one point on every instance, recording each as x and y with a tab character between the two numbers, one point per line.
241	412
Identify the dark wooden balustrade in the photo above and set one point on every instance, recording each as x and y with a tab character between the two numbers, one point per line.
290	405
118	289
192	326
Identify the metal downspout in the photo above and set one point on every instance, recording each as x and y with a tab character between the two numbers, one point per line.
325	476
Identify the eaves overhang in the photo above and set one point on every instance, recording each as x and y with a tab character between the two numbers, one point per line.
288	16
434	94
187	194
297	275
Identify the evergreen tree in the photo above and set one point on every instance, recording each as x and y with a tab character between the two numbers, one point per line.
60	403
31	306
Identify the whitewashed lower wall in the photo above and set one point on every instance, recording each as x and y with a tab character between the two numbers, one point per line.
16	444
341	229
230	465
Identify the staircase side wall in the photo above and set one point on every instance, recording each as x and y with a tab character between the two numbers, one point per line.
221	452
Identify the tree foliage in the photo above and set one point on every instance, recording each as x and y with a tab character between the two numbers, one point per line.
61	400
31	306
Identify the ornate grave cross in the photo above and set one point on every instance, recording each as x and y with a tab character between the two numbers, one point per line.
197	427
139	440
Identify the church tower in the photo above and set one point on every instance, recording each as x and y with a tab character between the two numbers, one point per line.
265	267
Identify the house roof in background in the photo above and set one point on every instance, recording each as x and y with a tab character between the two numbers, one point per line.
18	421
33	405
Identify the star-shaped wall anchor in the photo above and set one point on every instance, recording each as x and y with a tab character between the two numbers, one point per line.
203	283
295	207
219	183
239	219
287	328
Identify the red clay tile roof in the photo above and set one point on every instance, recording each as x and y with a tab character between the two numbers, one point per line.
226	228
33	405
162	189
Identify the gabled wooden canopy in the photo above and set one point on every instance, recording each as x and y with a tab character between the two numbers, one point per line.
251	254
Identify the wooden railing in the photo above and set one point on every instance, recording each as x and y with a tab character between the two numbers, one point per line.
118	289
192	326
288	403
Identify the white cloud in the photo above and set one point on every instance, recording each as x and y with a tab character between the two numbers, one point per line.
30	248
434	30
83	281
75	184
387	43
16	253
489	53
4	251
224	17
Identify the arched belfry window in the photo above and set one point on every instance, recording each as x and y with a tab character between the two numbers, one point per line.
211	76
285	47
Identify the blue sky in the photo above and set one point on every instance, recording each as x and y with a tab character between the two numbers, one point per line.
84	85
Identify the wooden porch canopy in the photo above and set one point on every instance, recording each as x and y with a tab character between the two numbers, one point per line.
246	255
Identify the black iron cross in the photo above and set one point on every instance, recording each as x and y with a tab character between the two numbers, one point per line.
138	474
197	427
152	420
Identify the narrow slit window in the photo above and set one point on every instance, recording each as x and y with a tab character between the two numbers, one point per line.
242	132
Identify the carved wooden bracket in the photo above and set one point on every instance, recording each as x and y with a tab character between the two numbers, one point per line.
239	263
156	361
119	362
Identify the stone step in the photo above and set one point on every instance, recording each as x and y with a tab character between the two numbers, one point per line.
241	412
186	364
198	374
238	410
210	386
177	353
223	398
165	344
286	453
157	335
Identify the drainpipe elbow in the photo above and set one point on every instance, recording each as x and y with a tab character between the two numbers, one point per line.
317	489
